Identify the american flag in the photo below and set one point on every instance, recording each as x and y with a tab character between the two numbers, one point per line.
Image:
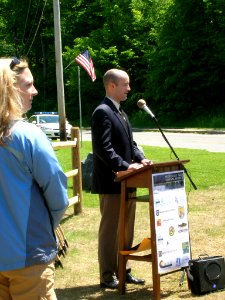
84	59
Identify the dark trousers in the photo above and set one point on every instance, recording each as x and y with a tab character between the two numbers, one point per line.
108	234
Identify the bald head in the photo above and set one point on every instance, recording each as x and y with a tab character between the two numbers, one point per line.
114	75
117	84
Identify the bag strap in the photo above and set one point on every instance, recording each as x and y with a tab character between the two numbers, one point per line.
16	153
20	158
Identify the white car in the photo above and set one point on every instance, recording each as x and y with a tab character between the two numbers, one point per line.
49	123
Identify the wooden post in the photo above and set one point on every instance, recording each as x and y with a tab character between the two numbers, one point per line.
76	164
76	172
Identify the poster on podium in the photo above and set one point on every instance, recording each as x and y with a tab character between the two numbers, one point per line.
171	221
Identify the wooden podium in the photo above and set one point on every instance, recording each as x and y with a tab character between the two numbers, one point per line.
142	178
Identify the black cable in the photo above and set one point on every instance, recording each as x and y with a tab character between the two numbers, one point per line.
37	28
25	25
185	170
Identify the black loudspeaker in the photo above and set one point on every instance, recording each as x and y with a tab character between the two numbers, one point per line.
206	274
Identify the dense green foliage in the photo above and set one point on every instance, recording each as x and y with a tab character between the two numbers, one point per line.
174	51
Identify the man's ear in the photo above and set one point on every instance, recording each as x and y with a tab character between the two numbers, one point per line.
112	85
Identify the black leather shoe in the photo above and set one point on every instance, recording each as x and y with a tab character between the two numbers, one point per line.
134	280
110	284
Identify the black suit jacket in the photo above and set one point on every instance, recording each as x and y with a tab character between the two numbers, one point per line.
113	147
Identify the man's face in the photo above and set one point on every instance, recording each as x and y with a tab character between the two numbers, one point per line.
27	90
121	89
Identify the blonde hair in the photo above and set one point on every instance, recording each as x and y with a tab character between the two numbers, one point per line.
10	100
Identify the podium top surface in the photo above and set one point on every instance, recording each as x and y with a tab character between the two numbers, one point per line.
125	174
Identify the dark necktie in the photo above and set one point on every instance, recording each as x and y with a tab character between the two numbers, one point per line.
128	130
122	114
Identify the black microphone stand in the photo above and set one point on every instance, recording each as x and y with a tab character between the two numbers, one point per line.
185	170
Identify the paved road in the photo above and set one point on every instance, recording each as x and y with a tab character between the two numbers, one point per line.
212	142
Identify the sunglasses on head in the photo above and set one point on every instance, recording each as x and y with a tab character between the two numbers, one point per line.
15	61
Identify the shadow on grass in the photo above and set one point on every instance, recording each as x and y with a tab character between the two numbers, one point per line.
94	292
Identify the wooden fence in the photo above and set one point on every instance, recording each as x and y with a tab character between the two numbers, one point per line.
75	173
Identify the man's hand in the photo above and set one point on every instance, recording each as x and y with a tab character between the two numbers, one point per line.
135	166
146	162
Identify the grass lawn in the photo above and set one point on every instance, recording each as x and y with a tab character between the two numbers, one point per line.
79	278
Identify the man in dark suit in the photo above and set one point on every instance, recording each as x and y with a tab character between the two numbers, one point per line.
113	150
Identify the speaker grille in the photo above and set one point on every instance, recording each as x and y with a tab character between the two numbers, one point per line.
213	271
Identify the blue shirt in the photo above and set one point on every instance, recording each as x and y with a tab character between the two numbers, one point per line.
33	198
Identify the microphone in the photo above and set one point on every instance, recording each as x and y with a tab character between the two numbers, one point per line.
142	104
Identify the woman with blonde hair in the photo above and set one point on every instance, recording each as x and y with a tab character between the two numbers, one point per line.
33	192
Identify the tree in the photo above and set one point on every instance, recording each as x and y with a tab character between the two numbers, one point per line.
119	41
187	66
173	51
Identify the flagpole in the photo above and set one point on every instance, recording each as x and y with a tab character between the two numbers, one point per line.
68	64
78	69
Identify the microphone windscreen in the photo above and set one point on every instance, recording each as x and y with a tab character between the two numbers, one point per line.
141	103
